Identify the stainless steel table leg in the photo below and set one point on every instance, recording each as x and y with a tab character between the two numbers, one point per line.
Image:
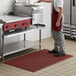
1	43
39	39
2	48
24	39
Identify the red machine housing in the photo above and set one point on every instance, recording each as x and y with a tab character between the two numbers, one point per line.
16	25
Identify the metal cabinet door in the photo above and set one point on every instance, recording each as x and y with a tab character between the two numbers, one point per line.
66	11
73	11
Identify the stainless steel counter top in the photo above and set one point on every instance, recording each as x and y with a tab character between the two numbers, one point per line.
12	18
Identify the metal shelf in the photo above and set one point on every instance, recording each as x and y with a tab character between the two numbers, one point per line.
23	31
18	46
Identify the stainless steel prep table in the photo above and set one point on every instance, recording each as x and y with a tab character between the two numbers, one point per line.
6	49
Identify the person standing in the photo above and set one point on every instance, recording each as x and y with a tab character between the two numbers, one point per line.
57	26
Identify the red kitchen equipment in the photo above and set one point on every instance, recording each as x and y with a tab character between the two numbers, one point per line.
14	22
16	25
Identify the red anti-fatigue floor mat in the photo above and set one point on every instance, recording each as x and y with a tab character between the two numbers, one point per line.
36	61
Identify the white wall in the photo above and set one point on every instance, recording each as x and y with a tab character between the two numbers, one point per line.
46	20
5	5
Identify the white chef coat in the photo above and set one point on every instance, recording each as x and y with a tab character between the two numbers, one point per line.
57	4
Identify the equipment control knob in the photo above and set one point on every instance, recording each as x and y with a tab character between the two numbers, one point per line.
7	26
16	25
24	23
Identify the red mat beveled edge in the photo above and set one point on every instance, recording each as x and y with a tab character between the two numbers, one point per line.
36	65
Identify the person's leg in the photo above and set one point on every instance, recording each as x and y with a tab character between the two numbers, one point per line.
61	41
62	46
60	37
56	44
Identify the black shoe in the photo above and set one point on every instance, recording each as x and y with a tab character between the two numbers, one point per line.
53	51
59	54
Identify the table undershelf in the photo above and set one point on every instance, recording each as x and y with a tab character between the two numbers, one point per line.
18	46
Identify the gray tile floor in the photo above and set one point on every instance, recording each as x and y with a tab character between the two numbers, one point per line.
63	68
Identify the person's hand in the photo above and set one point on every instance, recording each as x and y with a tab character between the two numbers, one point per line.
57	24
39	1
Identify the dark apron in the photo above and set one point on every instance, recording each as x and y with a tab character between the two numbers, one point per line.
54	20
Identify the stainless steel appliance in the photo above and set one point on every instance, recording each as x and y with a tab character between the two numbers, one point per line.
34	11
70	18
12	22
